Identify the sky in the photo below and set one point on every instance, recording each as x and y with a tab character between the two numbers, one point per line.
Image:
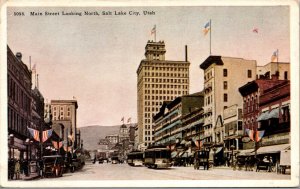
95	58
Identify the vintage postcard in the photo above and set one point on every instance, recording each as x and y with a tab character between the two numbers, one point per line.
149	93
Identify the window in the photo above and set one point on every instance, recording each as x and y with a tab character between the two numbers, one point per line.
285	75
249	73
225	97
225	84
225	72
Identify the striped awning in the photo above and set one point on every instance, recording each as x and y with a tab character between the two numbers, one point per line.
263	116
272	149
274	113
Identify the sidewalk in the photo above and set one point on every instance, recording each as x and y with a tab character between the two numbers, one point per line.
32	176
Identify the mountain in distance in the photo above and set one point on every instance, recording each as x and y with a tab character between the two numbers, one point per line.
92	134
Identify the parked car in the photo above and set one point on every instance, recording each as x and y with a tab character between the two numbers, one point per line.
53	165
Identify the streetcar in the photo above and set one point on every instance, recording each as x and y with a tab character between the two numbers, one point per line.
135	158
157	157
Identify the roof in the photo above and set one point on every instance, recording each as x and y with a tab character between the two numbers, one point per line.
211	60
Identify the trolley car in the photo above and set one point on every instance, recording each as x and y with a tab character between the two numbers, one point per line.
157	157
135	158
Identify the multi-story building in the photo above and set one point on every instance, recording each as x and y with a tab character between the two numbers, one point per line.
19	104
282	69
65	112
158	80
168	122
113	139
233	126
37	115
222	78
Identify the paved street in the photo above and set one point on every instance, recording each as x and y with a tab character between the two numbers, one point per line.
125	172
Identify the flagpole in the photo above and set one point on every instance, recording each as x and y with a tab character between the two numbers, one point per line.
210	37
277	63
155	34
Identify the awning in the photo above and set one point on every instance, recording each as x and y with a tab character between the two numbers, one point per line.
187	154
247	152
272	149
174	154
274	113
219	149
263	116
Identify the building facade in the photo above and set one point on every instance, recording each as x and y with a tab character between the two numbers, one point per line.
19	104
113	139
281	68
222	78
65	112
158	80
168	123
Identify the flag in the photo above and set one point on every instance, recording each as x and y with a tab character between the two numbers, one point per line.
34	133
46	134
129	120
71	137
250	134
153	30
67	149
122	119
255	30
274	56
259	135
206	28
60	144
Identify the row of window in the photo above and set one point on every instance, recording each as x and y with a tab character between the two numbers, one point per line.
157	103
162	74
153	109
17	123
162	92
149	132
62	114
18	95
167	68
148	139
225	73
61	108
156	80
147	97
166	86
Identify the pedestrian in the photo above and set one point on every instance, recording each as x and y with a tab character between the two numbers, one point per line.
41	167
17	170
11	169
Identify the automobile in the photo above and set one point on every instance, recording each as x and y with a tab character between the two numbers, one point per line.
53	165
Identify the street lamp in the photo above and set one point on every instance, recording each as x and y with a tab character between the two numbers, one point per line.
232	147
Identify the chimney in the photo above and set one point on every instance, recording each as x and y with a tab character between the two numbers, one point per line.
19	56
186	53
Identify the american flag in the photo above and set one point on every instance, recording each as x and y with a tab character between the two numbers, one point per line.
255	30
60	144
46	134
206	28
274	56
259	135
129	120
34	133
153	30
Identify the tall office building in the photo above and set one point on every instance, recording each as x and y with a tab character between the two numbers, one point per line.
222	78
65	112
158	80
